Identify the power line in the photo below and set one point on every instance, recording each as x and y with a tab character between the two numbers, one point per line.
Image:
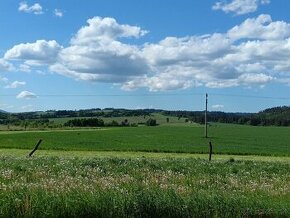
157	94
110	95
250	96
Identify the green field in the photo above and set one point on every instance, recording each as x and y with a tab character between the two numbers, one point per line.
226	139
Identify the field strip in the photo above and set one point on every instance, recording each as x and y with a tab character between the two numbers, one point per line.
122	154
55	130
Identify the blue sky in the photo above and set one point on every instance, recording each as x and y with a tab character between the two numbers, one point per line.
144	54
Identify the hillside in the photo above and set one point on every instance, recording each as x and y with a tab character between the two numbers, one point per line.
277	116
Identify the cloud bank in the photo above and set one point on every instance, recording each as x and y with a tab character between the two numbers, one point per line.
254	53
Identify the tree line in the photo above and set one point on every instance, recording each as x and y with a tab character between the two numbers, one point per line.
277	116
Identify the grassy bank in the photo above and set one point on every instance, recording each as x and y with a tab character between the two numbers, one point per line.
136	154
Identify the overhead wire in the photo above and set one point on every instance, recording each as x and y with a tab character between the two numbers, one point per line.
156	94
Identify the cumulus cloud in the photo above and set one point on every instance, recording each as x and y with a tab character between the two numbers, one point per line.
24	68
254	53
58	12
219	60
101	30
261	27
3	79
255	78
37	53
239	7
26	95
15	84
218	106
95	54
5	66
35	8
160	82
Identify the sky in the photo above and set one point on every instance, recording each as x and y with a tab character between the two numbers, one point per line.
74	54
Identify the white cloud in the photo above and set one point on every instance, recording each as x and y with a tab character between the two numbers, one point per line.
101	30
218	106
39	52
58	12
5	66
26	95
113	62
261	27
24	68
255	78
239	7
95	54
3	79
160	82
254	53
35	8
15	84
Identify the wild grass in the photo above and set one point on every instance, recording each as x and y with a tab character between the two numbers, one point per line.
137	154
142	187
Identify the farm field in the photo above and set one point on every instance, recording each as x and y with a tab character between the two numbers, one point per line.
226	139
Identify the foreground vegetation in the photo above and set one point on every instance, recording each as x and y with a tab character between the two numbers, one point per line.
141	187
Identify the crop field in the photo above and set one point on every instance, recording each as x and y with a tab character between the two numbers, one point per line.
144	171
226	139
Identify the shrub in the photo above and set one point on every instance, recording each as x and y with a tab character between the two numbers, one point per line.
151	122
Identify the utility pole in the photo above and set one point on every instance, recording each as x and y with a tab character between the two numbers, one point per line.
205	116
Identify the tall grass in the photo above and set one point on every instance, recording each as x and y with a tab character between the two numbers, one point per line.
139	187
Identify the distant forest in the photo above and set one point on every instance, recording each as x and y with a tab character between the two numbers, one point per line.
277	116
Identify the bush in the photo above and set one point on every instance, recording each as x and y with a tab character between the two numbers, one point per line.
90	122
113	123
151	122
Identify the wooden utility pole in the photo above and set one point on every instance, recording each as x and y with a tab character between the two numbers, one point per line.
205	116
